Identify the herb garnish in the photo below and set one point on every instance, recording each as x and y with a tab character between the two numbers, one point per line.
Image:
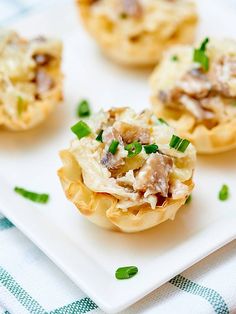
200	56
179	144
99	137
113	147
81	129
133	149
188	200
174	58
83	109
35	197
161	121
224	193
126	272
151	149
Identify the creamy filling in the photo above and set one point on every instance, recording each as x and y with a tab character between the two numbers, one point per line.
24	72
141	179
209	96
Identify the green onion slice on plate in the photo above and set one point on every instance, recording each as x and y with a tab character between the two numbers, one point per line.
133	149
35	197
224	193
126	272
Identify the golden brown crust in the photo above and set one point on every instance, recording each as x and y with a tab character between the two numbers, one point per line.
38	113
101	209
135	43
207	141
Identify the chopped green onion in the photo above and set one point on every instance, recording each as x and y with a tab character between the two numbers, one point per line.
99	137
83	109
81	129
113	147
188	200
224	193
133	149
179	144
126	272
161	121
204	44
175	141
175	58
35	197
183	145
151	149
233	103
200	56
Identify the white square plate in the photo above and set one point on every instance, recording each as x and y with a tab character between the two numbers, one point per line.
86	253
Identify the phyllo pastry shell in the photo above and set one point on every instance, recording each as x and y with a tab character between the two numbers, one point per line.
195	91
136	32
124	173
30	80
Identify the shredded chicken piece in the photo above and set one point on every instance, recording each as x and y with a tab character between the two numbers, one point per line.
131	133
189	92
153	177
111	134
195	107
43	81
224	76
194	83
178	189
127	180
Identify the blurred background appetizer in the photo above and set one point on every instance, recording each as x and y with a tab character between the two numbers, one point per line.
194	89
127	171
30	79
136	32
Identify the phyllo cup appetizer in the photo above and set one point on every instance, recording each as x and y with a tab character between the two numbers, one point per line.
136	32
30	80
127	171
194	90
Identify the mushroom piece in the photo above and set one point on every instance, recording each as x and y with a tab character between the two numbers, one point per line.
223	76
153	177
131	133
43	82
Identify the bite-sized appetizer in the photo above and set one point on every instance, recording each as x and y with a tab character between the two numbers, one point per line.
194	89
30	79
127	171
136	32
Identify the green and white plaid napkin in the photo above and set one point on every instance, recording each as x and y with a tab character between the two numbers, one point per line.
31	283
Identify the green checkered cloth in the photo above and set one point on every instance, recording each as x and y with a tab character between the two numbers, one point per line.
31	283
